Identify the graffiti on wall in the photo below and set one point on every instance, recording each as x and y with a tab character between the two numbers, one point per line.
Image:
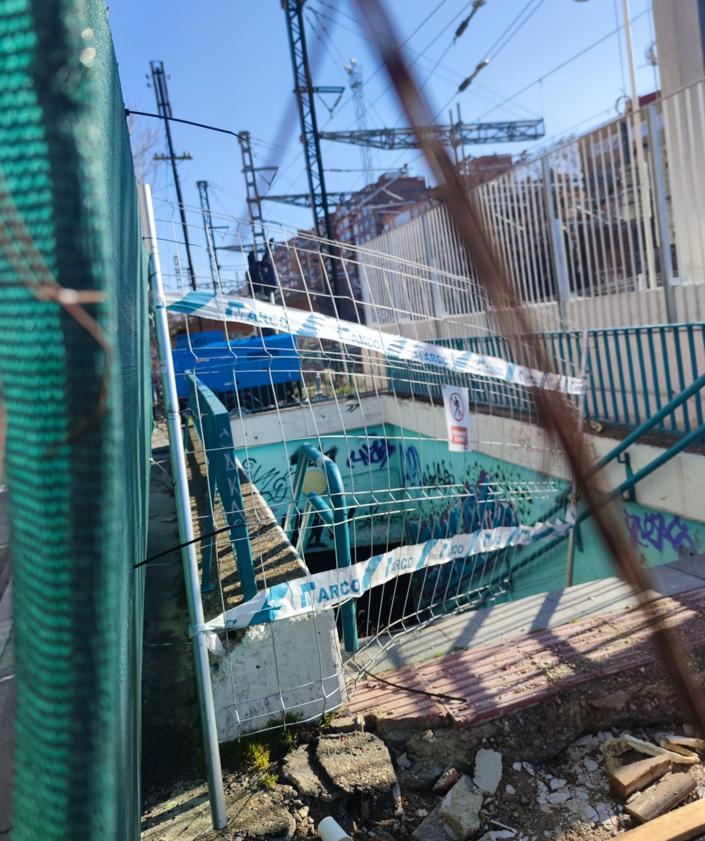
412	471
462	495
376	454
462	507
659	530
274	484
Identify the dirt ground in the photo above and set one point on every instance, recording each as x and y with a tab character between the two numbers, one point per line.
566	798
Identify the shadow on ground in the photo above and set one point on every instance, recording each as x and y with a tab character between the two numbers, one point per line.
171	748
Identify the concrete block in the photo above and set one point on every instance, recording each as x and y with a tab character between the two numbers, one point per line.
268	663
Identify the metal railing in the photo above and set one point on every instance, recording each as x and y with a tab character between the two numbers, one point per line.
586	234
617	453
636	371
212	422
633	373
332	510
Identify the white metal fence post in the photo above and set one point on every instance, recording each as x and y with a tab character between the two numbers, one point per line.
661	208
555	236
183	509
437	301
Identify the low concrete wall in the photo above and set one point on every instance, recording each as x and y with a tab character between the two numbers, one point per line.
290	668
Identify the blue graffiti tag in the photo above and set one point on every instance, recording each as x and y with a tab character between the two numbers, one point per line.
273	484
376	454
474	507
656	530
411	463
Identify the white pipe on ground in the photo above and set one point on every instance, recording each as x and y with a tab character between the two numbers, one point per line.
331	830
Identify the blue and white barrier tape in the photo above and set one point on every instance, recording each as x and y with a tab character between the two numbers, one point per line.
331	587
313	325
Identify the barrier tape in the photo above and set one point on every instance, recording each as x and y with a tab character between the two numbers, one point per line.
313	325
331	587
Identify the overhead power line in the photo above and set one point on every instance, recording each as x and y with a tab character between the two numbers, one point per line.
550	72
514	26
503	41
171	119
562	64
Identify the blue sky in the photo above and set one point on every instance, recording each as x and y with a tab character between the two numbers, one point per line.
229	65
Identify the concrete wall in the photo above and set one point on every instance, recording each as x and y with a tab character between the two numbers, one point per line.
293	666
672	488
680	42
665	522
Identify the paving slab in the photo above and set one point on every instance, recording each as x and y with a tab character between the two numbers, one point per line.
693	565
487	681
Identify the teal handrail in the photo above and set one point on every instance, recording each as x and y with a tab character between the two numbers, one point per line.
212	422
637	433
635	478
653	421
333	512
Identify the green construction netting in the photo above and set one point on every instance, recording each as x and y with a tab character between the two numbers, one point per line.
77	475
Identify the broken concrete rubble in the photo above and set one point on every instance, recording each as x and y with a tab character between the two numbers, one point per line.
460	809
581	809
488	770
357	763
564	796
557	797
432	828
403	762
345	724
421	775
298	770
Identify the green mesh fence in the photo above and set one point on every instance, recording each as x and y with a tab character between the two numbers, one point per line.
76	465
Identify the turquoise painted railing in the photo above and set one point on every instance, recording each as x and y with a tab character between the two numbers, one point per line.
212	423
633	372
694	390
333	511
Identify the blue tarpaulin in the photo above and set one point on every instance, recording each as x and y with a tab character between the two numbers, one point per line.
236	365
